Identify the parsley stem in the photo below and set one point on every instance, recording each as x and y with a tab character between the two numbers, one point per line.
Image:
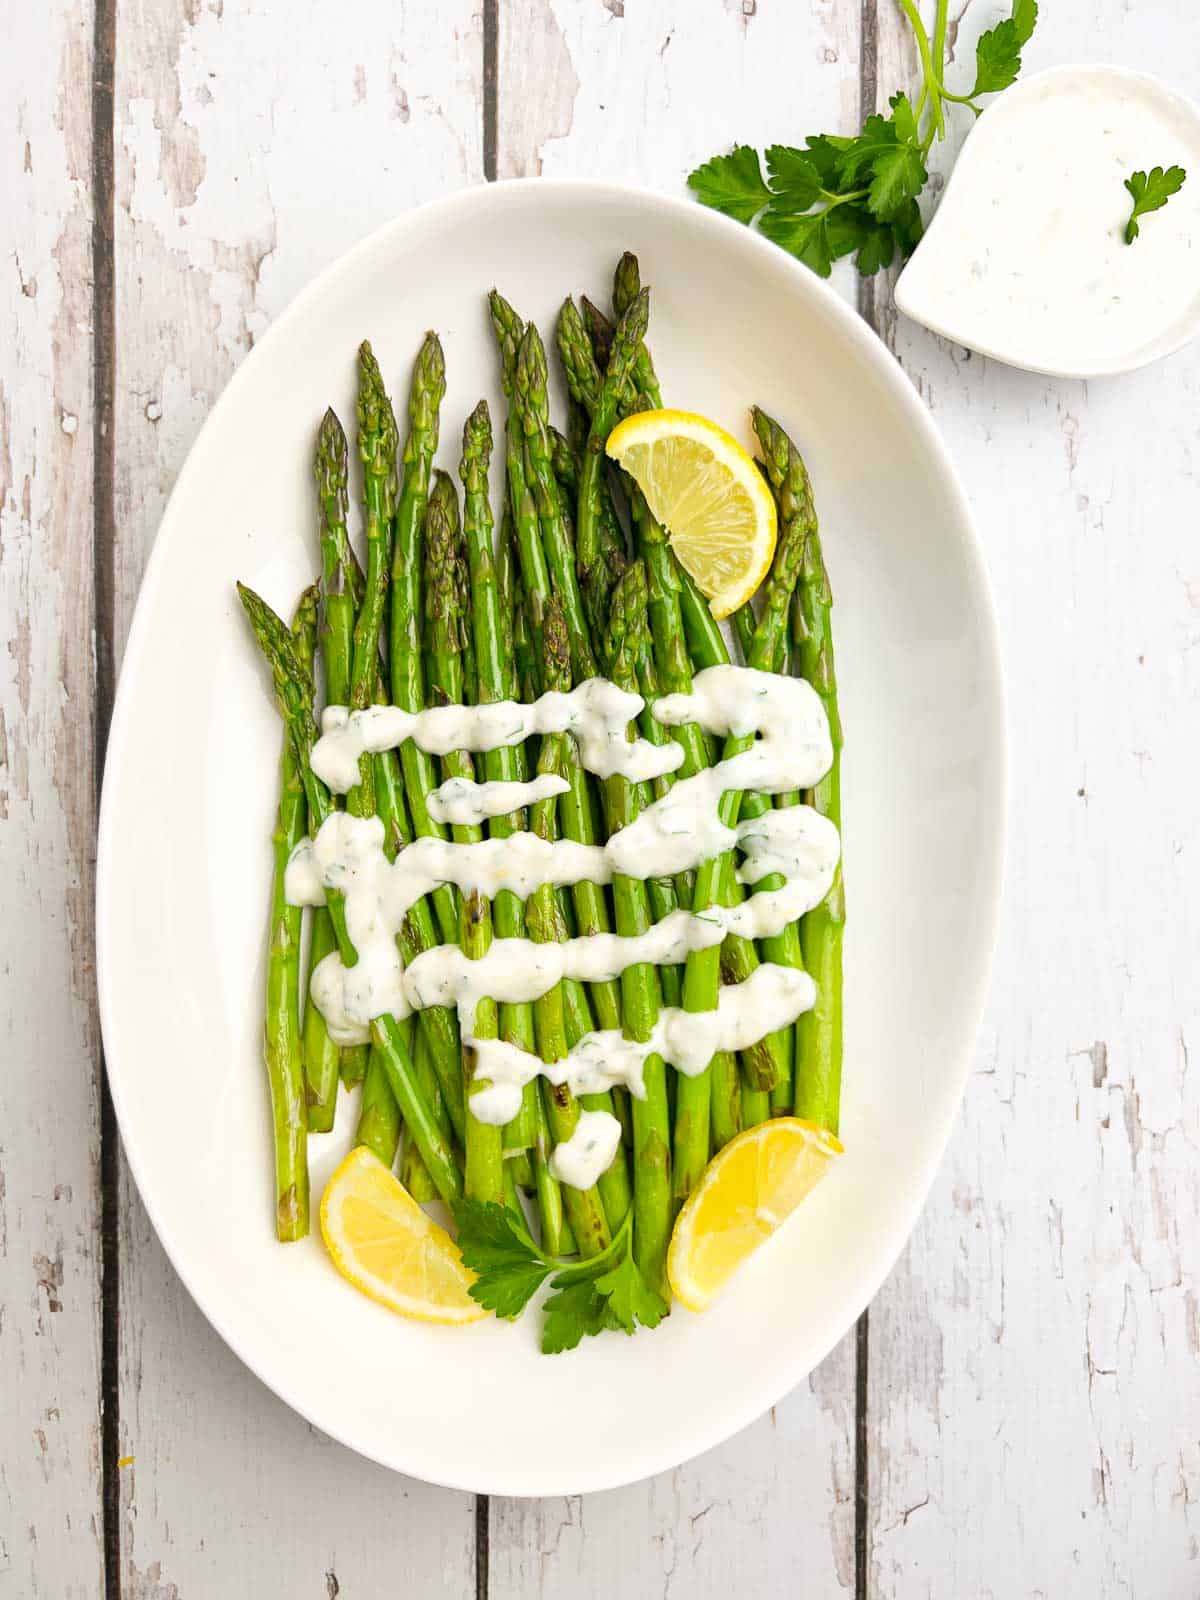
938	57
832	200
940	21
933	83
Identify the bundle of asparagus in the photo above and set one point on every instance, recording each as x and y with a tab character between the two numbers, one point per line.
444	614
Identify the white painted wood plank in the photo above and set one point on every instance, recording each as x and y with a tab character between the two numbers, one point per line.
1034	1380
769	1514
254	145
644	93
50	1516
614	89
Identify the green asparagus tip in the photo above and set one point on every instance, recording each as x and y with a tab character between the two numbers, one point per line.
575	351
773	440
439	527
330	465
304	625
431	364
477	449
509	330
444	496
274	639
556	647
789	480
627	614
531	369
331	437
627	340
504	318
600	331
376	419
627	282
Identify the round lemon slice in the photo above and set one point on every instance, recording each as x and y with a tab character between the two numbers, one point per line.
709	496
383	1242
749	1189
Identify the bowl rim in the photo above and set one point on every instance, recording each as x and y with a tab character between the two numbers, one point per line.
1119	366
442	211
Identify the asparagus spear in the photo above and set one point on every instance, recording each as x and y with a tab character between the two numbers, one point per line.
590	907
512	599
627	286
341	588
557	1237
584	1208
743	628
445	622
379	1116
639	984
281	1037
407	670
510	330
414	1174
819	1032
532	406
565	461
408	692
491	621
294	693
627	341
599	331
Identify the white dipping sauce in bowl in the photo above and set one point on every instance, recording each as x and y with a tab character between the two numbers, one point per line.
1026	259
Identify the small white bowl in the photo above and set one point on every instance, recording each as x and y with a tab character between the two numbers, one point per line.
1025	259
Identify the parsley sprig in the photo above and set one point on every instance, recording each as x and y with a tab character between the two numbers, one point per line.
857	196
1150	192
606	1291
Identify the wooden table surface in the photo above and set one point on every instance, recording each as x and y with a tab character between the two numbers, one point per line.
1018	1413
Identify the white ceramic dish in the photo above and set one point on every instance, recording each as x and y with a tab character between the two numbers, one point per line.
1065	139
190	789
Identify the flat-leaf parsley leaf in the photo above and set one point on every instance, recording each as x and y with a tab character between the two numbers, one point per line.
998	53
603	1291
1150	191
733	184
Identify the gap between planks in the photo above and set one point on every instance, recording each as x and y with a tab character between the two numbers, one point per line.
104	48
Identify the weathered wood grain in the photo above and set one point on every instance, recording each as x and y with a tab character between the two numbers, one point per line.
644	93
253	146
50	1510
1034	1382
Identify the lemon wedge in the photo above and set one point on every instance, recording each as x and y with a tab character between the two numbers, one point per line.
749	1189
383	1242
709	496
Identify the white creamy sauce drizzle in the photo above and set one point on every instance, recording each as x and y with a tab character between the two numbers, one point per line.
596	712
327	986
771	997
461	802
790	750
1026	257
588	1153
